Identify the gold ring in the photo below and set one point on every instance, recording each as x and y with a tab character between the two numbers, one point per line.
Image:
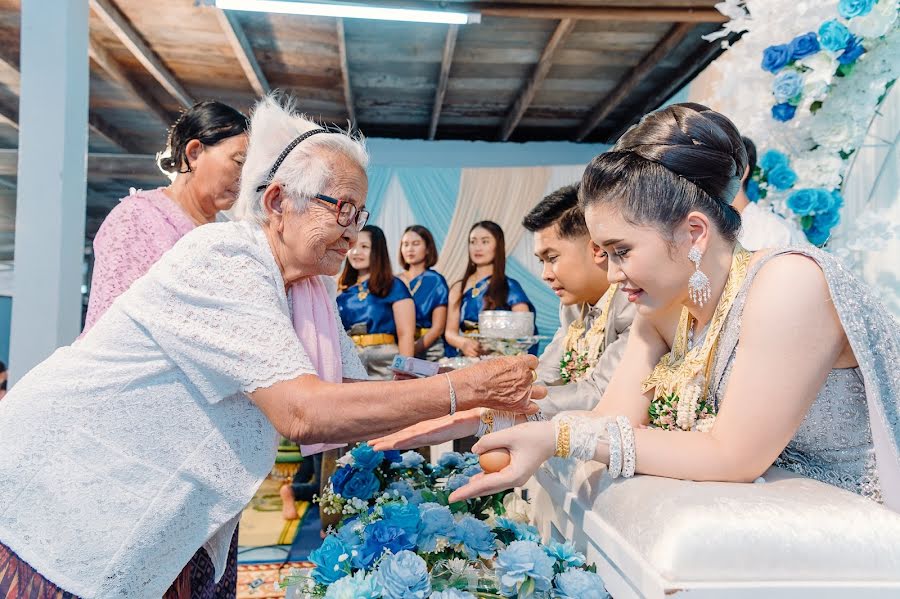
533	376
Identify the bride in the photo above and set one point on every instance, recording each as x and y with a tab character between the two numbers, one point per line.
736	360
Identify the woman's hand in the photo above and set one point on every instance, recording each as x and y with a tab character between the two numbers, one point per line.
432	432
505	384
470	348
529	445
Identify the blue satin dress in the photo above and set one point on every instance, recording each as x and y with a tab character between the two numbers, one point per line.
473	303
364	314
429	291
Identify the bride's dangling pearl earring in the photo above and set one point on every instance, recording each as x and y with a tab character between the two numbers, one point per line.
699	287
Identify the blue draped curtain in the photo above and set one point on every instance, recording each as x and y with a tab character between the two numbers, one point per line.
431	194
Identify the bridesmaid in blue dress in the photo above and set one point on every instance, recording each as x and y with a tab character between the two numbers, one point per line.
484	286
418	253
376	308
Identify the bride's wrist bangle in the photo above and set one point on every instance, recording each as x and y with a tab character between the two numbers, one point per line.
615	449
486	425
629	457
576	437
563	437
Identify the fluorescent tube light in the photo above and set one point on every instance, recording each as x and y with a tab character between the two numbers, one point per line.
350	11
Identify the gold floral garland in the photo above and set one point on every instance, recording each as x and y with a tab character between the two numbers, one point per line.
681	378
583	350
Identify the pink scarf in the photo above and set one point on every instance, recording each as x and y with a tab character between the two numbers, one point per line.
316	328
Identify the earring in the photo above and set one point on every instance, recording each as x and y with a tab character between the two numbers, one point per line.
699	287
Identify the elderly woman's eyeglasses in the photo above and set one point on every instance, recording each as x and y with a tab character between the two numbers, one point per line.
347	213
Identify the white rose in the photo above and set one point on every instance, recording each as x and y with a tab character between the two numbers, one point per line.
834	133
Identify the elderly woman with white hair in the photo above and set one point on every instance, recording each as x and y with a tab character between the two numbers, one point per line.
125	452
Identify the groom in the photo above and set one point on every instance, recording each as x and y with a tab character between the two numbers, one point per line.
575	269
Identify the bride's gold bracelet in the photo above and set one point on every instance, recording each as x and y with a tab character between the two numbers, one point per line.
563	434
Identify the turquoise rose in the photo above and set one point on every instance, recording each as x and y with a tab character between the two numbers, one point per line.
579	584
404	576
825	221
787	84
833	35
366	458
772	159
818	236
855	8
781	177
802	201
565	554
332	561
523	566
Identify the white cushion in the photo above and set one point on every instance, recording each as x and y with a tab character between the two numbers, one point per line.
675	534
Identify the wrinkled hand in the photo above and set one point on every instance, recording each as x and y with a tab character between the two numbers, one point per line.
504	384
529	445
431	432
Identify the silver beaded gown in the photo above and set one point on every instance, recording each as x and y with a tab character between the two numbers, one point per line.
834	443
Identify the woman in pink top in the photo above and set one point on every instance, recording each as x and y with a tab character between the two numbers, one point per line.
206	149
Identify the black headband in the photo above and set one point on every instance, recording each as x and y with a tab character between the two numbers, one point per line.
268	180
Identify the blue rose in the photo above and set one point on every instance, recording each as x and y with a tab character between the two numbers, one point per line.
521	561
853	51
565	555
825	221
781	177
408	460
580	584
331	560
366	458
392	456
783	112
452	594
752	190
451	459
456	481
357	586
824	201
804	45
834	35
522	532
402	488
855	8
772	159
474	537
404	515
838	199
339	478
404	576
776	57
361	485
786	85
818	236
380	536
436	522
802	201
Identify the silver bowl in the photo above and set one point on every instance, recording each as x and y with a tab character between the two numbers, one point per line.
505	324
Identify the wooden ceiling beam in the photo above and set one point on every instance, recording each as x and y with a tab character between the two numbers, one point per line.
117	73
523	101
96	124
122	28
243	51
443	79
99	165
345	72
633	78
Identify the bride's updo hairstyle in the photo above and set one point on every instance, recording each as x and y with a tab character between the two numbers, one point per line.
679	159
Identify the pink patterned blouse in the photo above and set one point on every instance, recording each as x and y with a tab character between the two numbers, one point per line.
137	232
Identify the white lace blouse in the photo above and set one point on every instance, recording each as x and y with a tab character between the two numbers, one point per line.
123	453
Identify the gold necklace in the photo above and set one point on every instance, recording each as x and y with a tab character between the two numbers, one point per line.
479	287
681	378
582	350
362	294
